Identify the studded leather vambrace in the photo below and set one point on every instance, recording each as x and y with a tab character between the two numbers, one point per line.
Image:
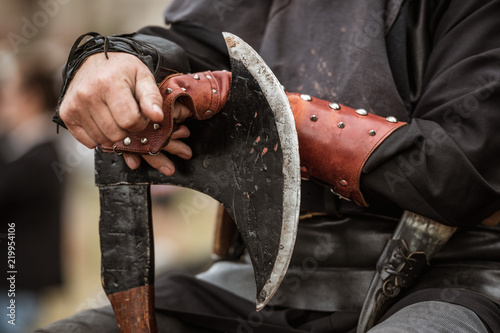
335	141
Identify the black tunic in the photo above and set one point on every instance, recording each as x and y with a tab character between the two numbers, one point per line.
445	164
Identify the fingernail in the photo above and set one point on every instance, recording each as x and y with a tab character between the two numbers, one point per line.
157	109
166	171
184	156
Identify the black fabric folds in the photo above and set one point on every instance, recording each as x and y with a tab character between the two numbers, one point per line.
445	164
205	49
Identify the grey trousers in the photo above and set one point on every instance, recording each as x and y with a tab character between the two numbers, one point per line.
423	317
432	317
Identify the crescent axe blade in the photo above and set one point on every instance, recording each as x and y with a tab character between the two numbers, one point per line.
246	158
271	248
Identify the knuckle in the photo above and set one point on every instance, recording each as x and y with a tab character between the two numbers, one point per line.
130	122
143	73
117	135
127	105
148	88
69	114
65	114
104	81
127	115
105	141
82	95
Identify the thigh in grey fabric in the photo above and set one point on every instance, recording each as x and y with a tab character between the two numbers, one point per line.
432	317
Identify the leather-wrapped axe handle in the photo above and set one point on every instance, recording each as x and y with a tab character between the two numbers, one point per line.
127	264
246	158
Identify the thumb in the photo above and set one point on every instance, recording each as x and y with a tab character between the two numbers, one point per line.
148	95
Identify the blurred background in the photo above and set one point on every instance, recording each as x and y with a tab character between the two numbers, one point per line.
46	180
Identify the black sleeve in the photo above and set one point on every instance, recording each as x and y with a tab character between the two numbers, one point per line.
205	49
446	163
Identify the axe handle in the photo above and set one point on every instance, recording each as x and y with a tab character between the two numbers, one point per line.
135	310
127	255
224	234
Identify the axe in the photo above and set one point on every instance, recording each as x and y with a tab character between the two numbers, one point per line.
246	158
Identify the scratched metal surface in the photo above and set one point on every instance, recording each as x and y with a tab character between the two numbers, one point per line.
237	160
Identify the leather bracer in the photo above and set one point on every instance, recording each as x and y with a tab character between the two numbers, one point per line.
335	141
205	94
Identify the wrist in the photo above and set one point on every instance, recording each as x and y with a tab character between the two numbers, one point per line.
161	56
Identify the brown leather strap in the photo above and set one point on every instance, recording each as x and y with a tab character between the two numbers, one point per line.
204	93
335	141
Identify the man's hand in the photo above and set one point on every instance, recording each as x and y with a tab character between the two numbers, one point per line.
110	97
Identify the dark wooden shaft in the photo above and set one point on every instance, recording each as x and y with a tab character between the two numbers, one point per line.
127	249
135	310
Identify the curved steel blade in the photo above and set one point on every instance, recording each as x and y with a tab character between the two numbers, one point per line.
241	52
247	158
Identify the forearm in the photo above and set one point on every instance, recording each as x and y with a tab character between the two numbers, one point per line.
423	169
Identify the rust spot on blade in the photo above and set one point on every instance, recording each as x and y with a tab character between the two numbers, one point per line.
276	147
230	41
257	140
264	151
